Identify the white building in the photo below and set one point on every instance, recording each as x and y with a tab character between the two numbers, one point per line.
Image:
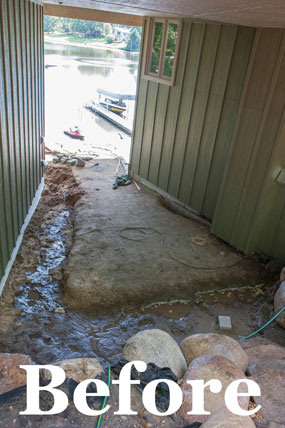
121	33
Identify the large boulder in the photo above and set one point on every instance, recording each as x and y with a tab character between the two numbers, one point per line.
265	353
226	419
208	368
214	344
11	375
261	366
255	341
272	399
78	369
158	347
279	303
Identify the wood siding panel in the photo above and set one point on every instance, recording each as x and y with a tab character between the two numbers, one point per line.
173	111
181	146
21	116
237	212
158	133
148	128
225	131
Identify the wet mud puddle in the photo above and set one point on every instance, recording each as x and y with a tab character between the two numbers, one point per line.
49	332
41	292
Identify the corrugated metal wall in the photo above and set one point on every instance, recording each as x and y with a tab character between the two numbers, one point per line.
250	213
21	116
183	133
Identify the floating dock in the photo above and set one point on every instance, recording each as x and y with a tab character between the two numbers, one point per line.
113	118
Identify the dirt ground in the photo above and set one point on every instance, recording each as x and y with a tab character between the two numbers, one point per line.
129	250
36	320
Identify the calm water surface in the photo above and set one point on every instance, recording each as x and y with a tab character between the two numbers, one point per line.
72	79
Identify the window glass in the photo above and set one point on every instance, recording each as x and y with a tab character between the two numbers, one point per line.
172	34
156	47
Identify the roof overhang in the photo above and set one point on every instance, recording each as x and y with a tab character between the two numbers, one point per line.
254	13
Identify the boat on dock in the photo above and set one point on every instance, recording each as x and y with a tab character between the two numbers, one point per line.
111	106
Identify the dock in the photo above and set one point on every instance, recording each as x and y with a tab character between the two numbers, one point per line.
113	118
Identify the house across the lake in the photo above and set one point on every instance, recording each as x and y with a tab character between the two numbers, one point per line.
209	129
121	34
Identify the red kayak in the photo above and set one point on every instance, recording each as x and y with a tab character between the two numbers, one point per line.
74	134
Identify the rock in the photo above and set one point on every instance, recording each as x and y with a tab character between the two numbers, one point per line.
279	303
272	399
10	374
274	425
71	162
282	275
226	419
264	353
80	162
214	344
158	347
261	366
207	368
59	310
255	341
78	369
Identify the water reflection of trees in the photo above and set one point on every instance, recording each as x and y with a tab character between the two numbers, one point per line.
89	70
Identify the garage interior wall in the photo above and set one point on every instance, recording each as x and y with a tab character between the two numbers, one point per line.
210	137
21	117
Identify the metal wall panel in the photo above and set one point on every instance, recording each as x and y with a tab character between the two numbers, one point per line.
21	116
183	133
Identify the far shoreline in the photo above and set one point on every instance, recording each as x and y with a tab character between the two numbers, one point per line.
58	41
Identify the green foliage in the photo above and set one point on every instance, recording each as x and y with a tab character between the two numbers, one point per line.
170	49
50	23
85	28
110	39
156	50
134	42
90	29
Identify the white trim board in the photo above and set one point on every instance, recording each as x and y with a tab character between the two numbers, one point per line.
20	237
171	198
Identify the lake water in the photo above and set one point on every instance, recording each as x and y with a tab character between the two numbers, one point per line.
72	79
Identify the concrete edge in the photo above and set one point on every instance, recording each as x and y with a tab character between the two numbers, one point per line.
172	199
30	214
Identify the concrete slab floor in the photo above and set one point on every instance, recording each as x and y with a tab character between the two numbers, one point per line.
111	266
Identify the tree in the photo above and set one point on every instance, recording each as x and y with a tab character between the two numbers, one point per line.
134	41
110	38
50	23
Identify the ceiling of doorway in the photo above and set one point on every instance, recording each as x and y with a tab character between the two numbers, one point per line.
257	13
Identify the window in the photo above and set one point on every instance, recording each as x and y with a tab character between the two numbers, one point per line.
161	50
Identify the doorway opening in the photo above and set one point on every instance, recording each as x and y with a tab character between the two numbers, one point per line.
91	73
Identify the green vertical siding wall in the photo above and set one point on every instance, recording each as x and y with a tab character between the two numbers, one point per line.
183	133
21	116
215	141
250	213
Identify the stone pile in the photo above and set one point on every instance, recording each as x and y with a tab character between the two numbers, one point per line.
200	356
